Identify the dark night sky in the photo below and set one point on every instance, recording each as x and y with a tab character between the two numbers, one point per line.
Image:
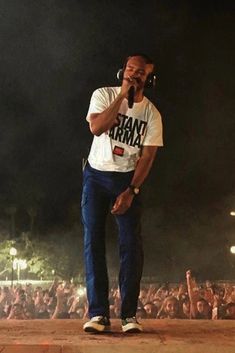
54	53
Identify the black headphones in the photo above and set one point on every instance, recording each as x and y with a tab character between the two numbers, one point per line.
149	83
151	78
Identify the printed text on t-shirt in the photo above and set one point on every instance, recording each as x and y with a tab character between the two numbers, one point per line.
128	130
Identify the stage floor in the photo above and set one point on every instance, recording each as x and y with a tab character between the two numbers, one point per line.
160	336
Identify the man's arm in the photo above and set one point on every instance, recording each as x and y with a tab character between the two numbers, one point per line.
60	296
144	165
193	294
102	122
124	200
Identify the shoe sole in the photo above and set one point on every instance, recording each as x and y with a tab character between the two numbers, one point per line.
90	329
131	328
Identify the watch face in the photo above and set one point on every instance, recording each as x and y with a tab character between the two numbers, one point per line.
136	191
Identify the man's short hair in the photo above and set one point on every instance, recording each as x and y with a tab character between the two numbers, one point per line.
145	57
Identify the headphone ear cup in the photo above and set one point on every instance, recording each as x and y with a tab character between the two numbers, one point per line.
151	80
120	74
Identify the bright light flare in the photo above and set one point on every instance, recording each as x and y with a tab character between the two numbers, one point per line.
19	264
81	291
13	251
232	249
232	213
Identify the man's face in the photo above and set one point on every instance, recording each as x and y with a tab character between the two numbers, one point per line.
202	307
231	312
171	308
186	307
148	308
136	68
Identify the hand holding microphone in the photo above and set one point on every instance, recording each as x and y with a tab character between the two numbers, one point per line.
129	86
131	92
131	95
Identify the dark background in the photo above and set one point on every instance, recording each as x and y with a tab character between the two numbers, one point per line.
54	53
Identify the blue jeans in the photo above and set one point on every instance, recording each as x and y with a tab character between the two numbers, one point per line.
100	190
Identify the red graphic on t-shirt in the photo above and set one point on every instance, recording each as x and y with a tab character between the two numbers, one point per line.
119	151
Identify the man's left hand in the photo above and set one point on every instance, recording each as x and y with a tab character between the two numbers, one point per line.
122	203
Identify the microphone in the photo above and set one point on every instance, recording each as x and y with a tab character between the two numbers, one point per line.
131	94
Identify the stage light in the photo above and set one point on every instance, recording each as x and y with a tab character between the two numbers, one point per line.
232	249
19	264
81	291
13	253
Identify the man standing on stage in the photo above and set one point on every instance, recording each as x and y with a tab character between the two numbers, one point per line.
126	137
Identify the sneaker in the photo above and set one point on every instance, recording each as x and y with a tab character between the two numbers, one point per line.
131	325
97	324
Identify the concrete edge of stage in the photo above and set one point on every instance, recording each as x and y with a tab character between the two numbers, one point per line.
162	336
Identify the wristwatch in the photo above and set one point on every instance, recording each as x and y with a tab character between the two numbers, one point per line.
134	189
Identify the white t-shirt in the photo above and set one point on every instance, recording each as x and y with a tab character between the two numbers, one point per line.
118	149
